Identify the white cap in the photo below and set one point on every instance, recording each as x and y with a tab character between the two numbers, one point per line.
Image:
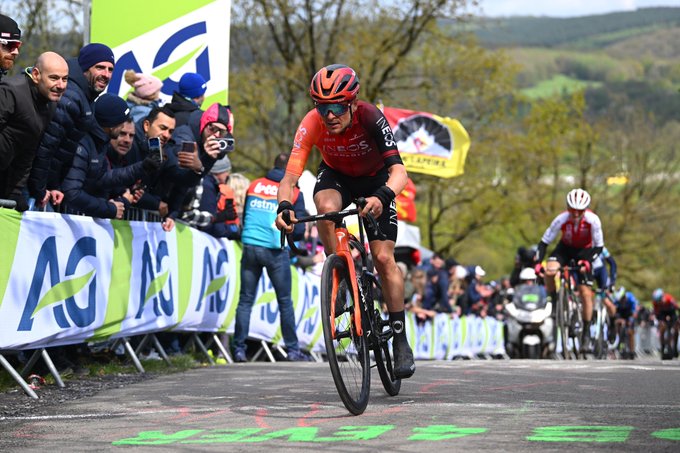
461	272
479	271
527	274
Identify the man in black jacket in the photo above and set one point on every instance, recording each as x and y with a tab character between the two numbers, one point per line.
10	42
89	75
88	184
27	102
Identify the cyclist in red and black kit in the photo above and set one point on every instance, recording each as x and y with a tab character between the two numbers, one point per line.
665	310
582	241
359	159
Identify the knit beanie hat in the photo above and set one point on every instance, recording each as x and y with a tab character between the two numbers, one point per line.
94	53
217	113
192	85
221	165
110	110
9	29
145	86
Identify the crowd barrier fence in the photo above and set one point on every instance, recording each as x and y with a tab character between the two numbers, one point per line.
67	279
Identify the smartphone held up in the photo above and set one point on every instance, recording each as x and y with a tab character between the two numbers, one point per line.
155	147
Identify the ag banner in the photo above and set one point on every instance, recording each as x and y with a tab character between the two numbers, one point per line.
166	39
429	143
71	279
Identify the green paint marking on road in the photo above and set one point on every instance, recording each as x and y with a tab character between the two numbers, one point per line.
158	437
349	433
581	434
667	434
566	434
444	432
304	434
223	435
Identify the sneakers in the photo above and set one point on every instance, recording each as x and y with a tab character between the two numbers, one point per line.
295	355
404	367
240	356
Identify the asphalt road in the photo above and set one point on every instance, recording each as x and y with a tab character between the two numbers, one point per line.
461	405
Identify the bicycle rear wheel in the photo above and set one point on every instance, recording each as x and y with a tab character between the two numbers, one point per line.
381	340
347	353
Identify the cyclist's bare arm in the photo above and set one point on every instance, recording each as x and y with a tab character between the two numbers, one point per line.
285	193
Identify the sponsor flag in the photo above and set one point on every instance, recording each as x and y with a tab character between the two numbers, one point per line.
429	143
406	203
166	39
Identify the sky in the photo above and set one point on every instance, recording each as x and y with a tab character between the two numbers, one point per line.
565	8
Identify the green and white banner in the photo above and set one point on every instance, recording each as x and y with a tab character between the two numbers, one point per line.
70	279
166	39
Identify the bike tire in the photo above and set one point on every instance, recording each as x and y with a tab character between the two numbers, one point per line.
347	353
575	310
600	340
562	320
381	343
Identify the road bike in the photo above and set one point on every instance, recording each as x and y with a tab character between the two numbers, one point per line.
668	349
568	318
601	323
351	315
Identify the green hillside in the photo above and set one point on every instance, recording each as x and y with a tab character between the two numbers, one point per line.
584	32
635	55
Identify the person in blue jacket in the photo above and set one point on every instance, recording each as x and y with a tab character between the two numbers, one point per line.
262	249
88	183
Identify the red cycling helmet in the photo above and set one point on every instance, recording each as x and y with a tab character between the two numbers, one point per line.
334	83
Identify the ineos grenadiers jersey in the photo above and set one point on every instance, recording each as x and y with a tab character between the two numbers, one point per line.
585	233
363	149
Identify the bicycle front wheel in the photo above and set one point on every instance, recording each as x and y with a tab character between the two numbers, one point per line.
347	352
562	321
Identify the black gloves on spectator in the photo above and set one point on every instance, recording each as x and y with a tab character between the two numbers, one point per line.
229	213
385	195
151	163
22	203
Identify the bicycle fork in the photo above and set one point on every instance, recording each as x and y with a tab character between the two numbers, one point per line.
342	250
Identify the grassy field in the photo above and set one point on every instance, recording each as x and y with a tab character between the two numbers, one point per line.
557	85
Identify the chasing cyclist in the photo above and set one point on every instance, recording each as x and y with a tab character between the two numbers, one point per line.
582	241
626	308
359	159
665	310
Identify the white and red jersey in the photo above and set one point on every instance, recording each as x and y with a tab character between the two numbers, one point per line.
583	233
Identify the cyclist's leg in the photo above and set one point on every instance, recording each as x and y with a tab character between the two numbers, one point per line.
393	293
631	336
330	194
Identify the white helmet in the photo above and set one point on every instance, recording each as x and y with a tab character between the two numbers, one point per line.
527	274
578	199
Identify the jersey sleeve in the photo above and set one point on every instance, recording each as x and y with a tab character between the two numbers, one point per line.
380	130
598	236
306	136
554	229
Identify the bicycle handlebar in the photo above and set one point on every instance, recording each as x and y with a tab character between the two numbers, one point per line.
336	217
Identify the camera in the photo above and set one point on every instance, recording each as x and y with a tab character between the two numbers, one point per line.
226	146
155	147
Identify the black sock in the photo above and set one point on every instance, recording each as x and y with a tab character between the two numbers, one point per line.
397	322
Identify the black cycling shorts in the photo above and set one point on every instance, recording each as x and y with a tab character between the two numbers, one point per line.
351	188
661	316
564	254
